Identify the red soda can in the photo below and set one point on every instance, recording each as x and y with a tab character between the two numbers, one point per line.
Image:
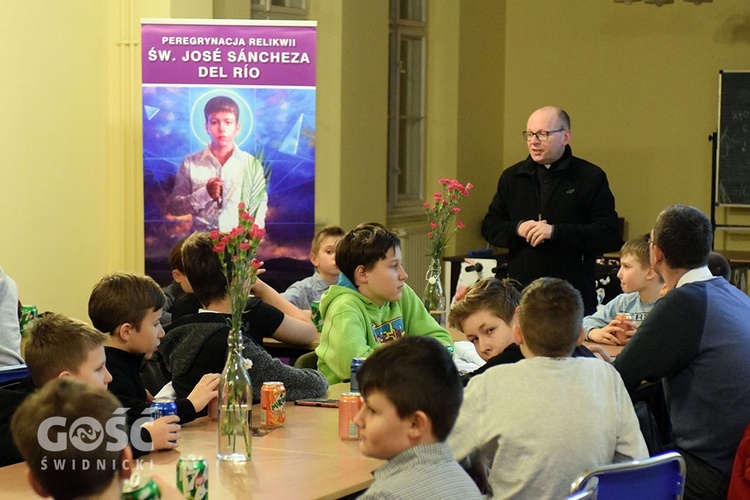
349	405
272	405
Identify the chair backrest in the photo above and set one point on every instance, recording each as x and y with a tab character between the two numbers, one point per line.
12	373
590	493
656	478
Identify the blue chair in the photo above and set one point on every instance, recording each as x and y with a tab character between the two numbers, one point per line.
656	478
12	373
590	493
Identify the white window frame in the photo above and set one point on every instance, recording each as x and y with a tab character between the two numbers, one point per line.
406	148
279	9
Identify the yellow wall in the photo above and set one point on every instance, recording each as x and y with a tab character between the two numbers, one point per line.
640	82
55	240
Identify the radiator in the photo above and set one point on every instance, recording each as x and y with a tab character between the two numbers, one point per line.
415	249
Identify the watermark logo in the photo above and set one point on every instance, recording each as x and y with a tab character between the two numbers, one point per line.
87	434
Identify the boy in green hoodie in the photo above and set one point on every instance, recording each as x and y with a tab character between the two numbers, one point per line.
371	304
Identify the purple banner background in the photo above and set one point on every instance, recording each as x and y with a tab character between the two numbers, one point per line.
228	55
278	118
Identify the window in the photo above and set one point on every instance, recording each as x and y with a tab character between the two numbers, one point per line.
279	9
406	108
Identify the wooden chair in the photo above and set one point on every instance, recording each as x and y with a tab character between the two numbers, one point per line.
656	478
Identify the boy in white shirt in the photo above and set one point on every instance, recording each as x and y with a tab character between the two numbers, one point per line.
541	422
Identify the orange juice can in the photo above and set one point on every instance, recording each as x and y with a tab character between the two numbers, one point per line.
272	405
349	405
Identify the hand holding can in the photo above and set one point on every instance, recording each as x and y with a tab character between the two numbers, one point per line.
628	326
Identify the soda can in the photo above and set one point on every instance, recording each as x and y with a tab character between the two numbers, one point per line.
28	314
624	316
272	405
139	487
349	405
356	363
192	477
317	319
161	407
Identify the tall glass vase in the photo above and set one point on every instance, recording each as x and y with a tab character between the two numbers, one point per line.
433	296
235	403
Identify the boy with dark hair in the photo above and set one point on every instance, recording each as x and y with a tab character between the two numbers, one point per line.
323	256
94	472
128	307
197	343
412	394
209	183
57	346
179	286
719	265
642	288
497	418
371	304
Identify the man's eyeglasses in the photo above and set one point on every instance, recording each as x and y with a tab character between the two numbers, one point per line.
542	135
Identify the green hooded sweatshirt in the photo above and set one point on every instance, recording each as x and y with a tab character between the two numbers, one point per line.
353	326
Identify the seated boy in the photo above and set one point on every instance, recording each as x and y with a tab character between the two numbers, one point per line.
179	285
73	472
323	256
128	307
197	344
57	346
372	304
641	288
10	332
485	316
545	420
719	265
412	394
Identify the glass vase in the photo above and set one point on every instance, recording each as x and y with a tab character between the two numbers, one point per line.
433	296
235	405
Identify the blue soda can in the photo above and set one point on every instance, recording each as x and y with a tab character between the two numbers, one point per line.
356	363
161	407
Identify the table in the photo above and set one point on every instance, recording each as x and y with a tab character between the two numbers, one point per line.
612	350
303	459
279	349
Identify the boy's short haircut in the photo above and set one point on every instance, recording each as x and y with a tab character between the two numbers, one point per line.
121	298
323	234
500	297
203	268
57	343
638	248
70	399
364	246
719	265
416	373
175	256
221	103
551	317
